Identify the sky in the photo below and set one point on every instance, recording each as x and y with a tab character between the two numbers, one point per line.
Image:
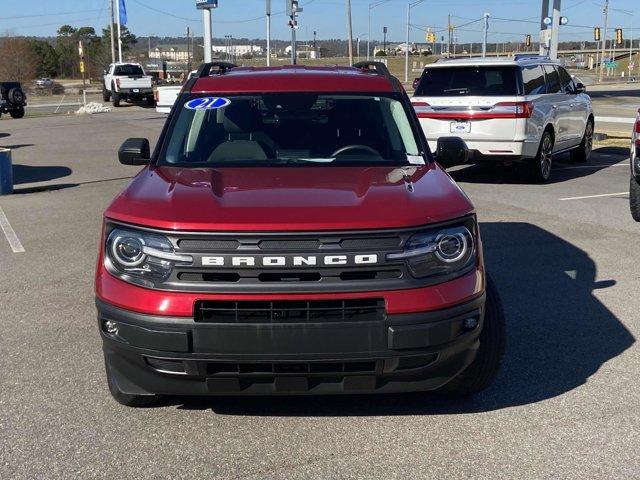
511	19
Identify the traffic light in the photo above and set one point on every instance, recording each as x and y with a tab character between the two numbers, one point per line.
527	40
619	39
431	37
293	7
596	34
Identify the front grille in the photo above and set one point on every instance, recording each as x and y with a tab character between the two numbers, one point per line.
284	311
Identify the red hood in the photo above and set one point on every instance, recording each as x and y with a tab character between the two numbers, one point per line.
288	198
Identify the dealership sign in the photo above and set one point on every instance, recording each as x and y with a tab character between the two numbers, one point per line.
206	4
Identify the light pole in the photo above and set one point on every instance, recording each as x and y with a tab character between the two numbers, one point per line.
371	7
406	53
605	11
268	33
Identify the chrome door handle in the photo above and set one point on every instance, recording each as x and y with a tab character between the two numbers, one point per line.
554	106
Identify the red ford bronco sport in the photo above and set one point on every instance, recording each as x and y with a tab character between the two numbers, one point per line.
292	234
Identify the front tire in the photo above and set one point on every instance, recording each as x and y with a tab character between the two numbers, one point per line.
634	198
126	399
493	338
17	113
540	166
583	152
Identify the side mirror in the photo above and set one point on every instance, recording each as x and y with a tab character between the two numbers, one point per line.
580	88
416	81
134	151
451	151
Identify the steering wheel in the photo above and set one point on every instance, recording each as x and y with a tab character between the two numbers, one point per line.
346	148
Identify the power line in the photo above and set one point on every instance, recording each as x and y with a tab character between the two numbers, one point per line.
51	14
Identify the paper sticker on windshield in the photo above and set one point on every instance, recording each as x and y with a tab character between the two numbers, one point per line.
415	159
207	103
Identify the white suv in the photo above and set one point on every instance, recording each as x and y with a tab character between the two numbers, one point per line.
525	109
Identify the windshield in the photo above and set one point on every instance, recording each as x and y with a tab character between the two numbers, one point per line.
468	81
128	70
290	129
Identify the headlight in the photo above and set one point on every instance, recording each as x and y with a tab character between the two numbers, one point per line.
439	252
141	257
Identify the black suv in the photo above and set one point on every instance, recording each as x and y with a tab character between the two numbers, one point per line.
12	99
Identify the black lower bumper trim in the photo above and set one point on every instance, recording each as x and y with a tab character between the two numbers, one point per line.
176	355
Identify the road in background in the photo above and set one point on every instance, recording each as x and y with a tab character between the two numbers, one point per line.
566	404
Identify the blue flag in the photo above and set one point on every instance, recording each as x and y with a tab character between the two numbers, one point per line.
123	13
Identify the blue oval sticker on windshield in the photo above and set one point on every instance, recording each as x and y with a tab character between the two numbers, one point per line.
207	103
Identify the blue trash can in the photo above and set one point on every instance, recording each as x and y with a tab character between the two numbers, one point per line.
6	172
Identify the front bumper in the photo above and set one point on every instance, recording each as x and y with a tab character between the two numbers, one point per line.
401	352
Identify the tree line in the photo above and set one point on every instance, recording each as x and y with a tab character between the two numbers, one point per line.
24	59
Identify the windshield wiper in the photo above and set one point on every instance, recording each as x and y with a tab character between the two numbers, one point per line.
305	160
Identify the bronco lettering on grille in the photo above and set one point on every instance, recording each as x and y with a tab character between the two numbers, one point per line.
289	260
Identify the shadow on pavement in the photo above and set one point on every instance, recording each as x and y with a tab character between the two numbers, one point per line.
563	169
62	186
32	174
613	93
559	334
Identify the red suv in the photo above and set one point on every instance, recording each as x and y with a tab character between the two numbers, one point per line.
292	234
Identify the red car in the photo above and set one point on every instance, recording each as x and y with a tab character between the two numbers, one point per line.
292	234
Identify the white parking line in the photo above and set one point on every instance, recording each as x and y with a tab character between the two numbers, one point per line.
595	165
12	238
627	120
596	196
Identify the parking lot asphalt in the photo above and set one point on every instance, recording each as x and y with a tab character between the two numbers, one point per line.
566	405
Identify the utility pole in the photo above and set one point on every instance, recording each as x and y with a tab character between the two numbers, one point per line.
485	33
604	42
268	33
188	49
113	41
350	32
555	30
449	37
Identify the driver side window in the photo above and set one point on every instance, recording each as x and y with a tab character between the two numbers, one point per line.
566	82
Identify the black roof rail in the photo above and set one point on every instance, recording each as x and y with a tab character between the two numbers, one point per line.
222	67
377	67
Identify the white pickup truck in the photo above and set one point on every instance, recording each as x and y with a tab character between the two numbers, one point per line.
166	96
127	82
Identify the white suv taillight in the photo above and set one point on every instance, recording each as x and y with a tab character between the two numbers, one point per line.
499	110
514	109
118	82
